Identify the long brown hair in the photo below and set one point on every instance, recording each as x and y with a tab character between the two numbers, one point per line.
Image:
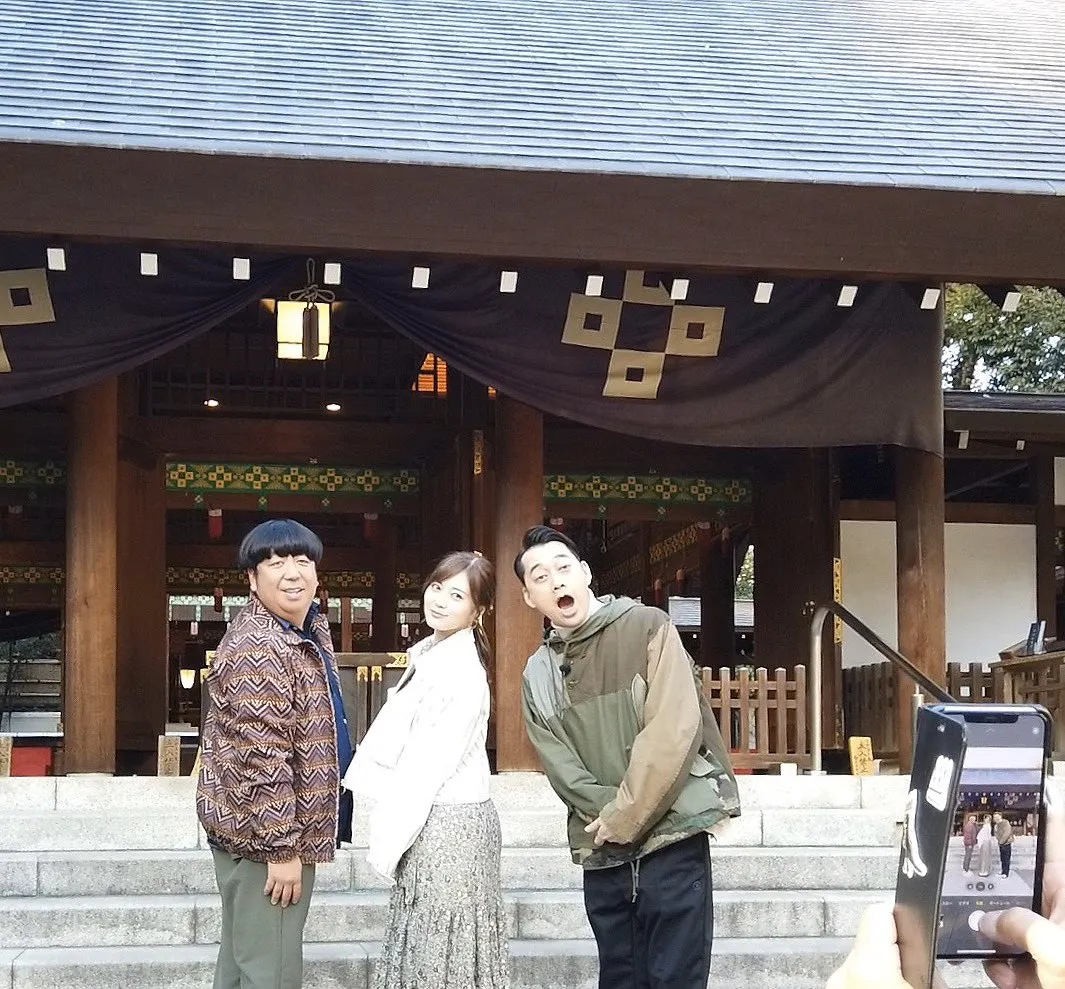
481	576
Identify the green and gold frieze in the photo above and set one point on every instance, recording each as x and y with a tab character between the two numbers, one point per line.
336	582
30	575
200	478
32	474
648	489
267	479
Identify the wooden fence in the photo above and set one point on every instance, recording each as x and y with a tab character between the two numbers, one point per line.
869	698
869	706
762	719
365	678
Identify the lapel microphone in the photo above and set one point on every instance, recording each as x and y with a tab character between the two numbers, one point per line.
565	669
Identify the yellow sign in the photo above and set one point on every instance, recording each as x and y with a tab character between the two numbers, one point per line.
861	749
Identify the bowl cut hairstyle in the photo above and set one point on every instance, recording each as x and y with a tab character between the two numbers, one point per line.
283	537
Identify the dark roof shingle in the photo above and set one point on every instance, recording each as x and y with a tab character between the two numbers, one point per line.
960	94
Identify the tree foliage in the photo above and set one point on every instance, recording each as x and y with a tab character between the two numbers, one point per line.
987	349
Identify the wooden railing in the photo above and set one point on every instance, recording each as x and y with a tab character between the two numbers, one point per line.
869	706
762	719
869	697
365	678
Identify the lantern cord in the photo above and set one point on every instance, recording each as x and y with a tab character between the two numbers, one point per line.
312	293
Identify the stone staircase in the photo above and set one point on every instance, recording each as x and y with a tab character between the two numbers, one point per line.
107	883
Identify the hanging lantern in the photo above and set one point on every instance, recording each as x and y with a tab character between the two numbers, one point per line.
214	523
659	592
323	599
218	600
682	579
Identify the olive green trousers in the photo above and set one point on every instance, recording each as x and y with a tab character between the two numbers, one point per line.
262	944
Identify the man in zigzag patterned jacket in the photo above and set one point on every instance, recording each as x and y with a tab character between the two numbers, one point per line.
275	745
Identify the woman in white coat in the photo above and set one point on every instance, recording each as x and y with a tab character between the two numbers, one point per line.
984	842
434	831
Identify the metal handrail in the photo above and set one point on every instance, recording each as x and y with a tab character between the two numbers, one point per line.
817	626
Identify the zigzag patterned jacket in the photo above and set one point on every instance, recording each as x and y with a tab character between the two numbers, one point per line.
269	780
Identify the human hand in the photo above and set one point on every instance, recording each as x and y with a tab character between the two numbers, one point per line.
601	833
1042	937
284	882
873	962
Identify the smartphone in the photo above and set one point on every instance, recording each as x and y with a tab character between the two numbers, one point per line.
995	853
974	836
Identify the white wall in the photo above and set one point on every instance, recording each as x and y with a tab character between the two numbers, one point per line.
990	572
1059	480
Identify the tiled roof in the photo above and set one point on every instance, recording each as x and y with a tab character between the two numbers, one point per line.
958	94
687	612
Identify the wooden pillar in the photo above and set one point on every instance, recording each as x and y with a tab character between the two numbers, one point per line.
383	617
91	580
645	539
717	582
519	475
919	499
1046	543
795	538
142	635
347	630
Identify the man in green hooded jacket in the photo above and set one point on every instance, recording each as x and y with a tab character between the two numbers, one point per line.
630	745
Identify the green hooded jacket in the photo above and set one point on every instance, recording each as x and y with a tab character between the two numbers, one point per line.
627	734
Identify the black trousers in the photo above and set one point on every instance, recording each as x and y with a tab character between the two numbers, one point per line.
653	920
1005	853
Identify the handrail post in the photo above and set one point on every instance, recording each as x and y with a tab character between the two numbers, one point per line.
813	715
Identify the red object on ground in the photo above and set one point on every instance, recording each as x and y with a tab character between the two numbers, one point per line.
31	760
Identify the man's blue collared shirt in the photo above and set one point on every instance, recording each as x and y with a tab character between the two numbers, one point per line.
344	749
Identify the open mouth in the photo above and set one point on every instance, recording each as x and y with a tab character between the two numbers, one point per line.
564	603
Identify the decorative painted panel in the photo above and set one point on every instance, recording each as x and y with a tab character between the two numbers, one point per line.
32	474
263	479
653	489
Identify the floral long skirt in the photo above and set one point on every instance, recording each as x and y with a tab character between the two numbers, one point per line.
447	927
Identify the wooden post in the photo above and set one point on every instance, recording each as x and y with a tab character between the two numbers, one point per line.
91	580
1046	538
794	529
920	566
142	633
5	755
346	625
384	588
717	581
519	471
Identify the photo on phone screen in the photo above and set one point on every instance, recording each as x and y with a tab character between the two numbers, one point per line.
994	851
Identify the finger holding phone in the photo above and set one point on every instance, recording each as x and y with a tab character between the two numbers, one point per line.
1042	937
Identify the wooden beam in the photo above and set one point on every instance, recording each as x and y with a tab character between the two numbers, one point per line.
921	573
519	468
532	214
91	646
972	512
290	440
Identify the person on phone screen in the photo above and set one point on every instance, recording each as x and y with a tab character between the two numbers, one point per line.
1004	837
874	961
984	842
969	831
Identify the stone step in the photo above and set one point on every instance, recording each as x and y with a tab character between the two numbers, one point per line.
781	963
85	921
142	873
84	830
510	791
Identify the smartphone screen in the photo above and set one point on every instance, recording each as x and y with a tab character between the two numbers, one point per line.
994	852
